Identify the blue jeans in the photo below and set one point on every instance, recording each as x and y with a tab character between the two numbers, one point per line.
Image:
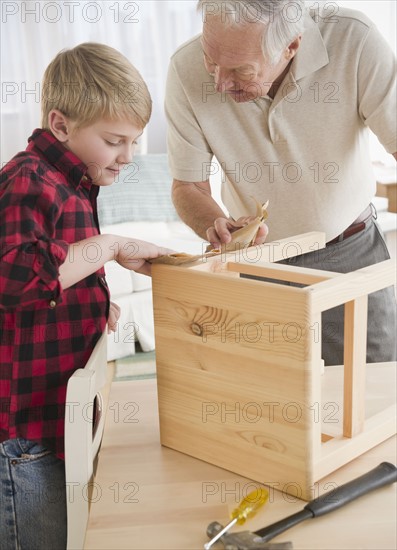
32	497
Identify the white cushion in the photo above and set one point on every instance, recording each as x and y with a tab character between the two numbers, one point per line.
142	191
119	279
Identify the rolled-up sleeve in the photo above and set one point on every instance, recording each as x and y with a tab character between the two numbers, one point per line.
29	272
188	150
377	89
30	253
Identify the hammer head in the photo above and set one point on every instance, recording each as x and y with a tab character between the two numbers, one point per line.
245	540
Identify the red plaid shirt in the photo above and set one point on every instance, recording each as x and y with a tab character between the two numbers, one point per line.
46	203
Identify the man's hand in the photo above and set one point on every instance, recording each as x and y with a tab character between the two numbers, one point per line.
221	231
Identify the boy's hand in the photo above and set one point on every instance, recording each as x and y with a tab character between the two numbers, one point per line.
114	314
129	253
132	254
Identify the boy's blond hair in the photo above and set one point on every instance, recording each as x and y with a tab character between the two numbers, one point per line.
94	81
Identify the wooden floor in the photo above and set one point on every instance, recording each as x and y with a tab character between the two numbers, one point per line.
149	497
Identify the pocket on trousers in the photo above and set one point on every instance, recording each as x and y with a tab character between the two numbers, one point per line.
25	450
382	241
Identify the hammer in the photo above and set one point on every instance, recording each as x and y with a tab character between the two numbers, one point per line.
244	540
384	474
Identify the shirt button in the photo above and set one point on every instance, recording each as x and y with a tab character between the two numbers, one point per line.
53	304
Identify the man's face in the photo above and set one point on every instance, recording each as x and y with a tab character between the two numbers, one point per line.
233	56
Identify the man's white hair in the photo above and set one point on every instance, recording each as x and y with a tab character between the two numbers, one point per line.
283	20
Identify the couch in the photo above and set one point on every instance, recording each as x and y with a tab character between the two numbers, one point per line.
138	205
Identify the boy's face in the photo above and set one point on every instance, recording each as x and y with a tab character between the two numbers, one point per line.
105	147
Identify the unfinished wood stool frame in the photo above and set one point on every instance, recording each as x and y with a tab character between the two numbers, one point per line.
239	363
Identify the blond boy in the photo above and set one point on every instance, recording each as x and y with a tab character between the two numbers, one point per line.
54	301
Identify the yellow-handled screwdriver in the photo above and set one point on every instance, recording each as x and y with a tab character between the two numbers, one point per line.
247	508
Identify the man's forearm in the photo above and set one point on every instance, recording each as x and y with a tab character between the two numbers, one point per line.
195	206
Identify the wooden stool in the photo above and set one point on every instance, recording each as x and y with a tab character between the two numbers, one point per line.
239	364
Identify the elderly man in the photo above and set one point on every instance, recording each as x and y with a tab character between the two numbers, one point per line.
283	98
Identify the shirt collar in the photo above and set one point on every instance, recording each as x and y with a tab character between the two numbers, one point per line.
311	56
59	156
312	53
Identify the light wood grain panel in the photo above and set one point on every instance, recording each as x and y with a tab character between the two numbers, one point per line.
277	351
224	363
219	312
220	291
349	286
237	413
356	314
213	320
229	436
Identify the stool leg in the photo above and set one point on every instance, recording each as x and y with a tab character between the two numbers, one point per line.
355	349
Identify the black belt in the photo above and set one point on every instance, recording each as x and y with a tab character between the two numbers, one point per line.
358	225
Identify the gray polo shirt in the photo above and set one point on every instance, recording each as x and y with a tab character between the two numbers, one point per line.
307	149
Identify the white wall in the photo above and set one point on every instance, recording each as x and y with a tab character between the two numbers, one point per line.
147	32
32	32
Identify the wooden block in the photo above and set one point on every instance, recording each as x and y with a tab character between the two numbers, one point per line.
355	351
